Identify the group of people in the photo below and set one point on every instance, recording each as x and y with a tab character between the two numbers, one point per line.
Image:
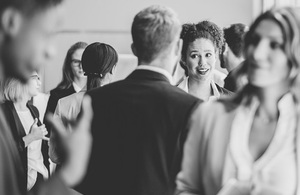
144	135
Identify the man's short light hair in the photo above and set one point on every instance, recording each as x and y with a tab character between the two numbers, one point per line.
153	30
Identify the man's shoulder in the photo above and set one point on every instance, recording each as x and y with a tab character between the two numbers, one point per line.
104	89
183	94
160	88
173	95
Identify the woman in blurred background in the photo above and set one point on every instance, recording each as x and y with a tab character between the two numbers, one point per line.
250	144
29	133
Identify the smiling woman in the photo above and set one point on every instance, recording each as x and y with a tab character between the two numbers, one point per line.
266	58
250	143
202	43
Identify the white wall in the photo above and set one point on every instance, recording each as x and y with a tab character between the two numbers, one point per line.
110	21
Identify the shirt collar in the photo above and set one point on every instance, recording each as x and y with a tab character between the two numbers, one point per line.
216	94
184	84
215	90
76	87
158	70
84	89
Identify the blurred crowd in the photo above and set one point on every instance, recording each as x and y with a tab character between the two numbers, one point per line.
148	134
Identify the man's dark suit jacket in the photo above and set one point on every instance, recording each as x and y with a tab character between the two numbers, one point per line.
138	131
18	132
230	82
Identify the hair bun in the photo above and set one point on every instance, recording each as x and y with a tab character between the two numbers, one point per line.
93	74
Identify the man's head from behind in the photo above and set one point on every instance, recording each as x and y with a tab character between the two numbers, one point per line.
233	49
154	30
26	28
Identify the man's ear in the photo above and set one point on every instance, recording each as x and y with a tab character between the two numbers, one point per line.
226	48
178	51
179	47
11	20
133	49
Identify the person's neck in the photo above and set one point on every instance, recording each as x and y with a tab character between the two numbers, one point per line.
269	98
200	89
165	64
21	105
81	82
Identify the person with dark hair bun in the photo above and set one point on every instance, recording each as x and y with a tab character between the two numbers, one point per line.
98	62
202	45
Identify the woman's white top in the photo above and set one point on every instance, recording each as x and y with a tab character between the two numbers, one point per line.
34	153
276	170
215	93
76	87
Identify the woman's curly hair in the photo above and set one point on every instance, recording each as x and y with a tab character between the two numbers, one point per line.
204	29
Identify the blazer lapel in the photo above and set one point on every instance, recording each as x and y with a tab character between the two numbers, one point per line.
19	126
296	94
298	153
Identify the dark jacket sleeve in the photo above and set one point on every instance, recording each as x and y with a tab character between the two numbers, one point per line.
16	129
12	173
223	91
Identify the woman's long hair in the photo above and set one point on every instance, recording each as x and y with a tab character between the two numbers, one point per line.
68	77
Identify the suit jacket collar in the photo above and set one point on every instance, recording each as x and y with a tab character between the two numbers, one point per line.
17	124
142	74
156	69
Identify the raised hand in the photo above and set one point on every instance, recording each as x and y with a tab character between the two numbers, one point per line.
35	133
38	132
